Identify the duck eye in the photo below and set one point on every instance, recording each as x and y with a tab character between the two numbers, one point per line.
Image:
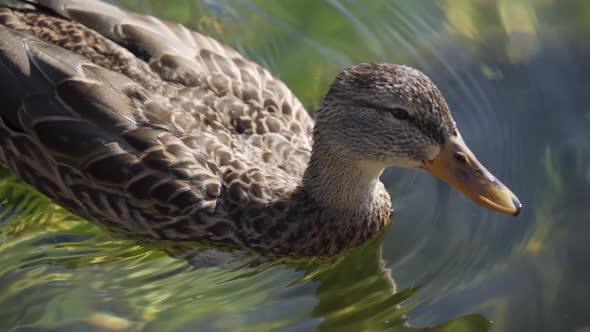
460	157
399	113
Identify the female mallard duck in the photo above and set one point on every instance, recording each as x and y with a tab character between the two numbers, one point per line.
147	126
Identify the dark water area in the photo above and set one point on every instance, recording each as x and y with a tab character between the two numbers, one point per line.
516	75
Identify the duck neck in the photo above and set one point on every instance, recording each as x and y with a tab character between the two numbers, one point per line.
339	184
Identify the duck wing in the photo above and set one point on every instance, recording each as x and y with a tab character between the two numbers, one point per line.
69	127
177	54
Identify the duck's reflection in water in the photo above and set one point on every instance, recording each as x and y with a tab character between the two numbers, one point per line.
354	291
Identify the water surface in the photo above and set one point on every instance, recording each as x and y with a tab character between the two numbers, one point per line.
517	78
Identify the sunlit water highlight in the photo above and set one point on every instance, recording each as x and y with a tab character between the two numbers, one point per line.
516	77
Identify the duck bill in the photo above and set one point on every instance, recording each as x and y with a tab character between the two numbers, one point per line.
456	165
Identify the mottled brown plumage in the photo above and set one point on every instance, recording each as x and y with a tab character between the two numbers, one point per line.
149	127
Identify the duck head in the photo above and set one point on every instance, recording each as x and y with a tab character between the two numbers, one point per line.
380	115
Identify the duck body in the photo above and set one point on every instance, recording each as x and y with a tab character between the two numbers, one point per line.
146	126
149	127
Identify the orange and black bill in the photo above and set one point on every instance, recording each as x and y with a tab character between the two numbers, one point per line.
457	165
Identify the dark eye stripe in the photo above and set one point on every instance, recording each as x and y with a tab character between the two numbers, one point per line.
397	112
428	128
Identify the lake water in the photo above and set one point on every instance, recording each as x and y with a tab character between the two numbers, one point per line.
517	77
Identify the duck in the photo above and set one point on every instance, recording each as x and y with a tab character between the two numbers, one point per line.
145	126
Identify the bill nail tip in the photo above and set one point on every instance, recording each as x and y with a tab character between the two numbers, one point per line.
518	208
